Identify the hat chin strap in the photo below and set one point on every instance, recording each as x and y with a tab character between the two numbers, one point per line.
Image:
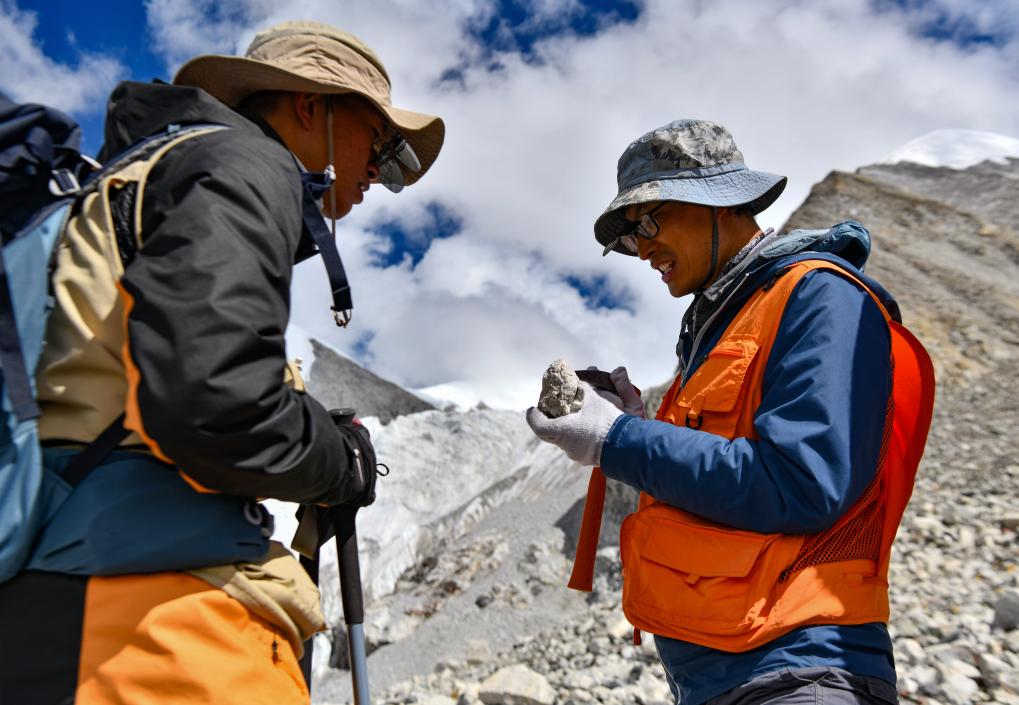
330	169
714	253
325	240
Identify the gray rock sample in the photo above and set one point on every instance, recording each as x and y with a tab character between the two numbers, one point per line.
561	392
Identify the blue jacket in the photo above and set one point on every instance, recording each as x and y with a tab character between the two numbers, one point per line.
820	425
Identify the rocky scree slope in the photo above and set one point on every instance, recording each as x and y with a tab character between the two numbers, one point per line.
946	246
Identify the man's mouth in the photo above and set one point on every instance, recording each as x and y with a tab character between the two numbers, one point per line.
666	270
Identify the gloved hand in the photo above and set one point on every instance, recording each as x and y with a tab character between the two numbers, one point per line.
627	400
581	434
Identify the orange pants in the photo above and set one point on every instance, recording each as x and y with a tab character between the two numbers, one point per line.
158	639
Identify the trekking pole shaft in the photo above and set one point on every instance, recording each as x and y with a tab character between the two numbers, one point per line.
350	568
353	603
358	664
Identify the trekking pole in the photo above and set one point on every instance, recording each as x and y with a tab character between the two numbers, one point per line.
349	564
343	520
353	602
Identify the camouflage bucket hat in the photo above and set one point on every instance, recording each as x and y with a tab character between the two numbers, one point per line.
691	161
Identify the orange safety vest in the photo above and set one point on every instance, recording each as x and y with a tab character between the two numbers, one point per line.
702	582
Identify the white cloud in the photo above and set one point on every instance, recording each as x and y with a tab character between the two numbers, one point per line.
531	150
30	76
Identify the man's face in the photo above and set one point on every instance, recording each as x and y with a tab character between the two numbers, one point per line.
357	124
681	251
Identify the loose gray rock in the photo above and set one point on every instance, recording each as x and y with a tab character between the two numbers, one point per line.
516	685
561	392
957	688
1006	611
478	651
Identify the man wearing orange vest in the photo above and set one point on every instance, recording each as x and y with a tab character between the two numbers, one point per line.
776	472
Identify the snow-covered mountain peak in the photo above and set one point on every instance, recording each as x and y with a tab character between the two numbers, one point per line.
956	149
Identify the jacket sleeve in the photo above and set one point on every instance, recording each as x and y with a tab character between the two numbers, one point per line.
820	425
208	304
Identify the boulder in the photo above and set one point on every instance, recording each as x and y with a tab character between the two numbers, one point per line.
516	685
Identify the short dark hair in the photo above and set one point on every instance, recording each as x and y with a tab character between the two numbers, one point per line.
261	103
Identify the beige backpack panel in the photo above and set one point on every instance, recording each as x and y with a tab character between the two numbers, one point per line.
81	380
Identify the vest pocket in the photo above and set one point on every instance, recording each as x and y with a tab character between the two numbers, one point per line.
680	571
708	399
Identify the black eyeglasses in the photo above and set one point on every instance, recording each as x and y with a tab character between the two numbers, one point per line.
647	227
392	154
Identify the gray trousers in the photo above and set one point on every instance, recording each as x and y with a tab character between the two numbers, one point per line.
810	686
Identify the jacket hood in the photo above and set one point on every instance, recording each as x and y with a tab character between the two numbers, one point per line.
137	110
847	243
848	240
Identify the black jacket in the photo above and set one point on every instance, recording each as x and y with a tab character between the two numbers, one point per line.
221	223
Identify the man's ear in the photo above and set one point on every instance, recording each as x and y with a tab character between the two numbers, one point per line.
304	107
728	213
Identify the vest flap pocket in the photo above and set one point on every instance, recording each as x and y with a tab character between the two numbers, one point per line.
717	383
685	576
702	551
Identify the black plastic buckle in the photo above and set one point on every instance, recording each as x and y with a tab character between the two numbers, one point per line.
63	182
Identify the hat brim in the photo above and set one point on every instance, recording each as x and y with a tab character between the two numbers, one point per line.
754	189
233	78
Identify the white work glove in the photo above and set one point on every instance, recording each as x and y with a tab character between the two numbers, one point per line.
581	434
627	401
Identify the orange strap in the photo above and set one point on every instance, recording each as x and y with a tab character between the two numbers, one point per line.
582	577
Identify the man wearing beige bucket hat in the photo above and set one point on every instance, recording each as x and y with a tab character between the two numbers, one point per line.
166	350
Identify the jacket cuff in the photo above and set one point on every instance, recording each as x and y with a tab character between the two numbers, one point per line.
610	450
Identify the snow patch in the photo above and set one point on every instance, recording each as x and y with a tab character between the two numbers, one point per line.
439	462
956	149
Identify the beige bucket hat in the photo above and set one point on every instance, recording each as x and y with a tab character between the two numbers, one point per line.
313	57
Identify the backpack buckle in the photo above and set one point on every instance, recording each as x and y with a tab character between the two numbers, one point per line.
64	183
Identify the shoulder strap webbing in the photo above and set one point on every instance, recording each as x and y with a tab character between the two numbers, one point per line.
326	243
95	452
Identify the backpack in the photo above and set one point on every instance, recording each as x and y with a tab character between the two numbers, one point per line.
40	170
43	178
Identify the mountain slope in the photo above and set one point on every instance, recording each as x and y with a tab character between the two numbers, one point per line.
337	381
946	246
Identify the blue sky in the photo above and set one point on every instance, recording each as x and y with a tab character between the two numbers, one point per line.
119	28
475	278
68	28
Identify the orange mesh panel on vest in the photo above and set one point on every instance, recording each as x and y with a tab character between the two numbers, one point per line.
857	535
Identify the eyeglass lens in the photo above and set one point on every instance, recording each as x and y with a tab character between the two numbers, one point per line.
392	155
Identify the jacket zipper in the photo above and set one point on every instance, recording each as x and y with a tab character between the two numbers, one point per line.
707	324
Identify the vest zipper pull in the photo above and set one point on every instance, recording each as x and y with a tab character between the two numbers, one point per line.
636	637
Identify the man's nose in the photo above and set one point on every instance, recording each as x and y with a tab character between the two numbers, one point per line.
644	248
373	172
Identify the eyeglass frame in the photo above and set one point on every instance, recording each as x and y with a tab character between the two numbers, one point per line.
647	227
391	153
